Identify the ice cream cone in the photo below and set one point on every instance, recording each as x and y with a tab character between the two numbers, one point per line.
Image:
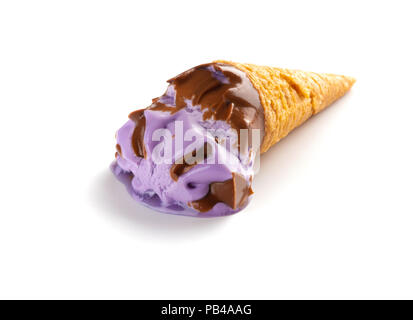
290	97
226	97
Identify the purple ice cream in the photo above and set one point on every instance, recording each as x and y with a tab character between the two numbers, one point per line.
182	154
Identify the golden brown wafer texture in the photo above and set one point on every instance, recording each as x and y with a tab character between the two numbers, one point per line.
290	97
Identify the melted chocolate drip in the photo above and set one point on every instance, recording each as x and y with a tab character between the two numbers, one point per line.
179	169
137	142
233	192
119	149
232	99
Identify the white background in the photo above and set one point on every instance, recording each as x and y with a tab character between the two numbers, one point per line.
332	215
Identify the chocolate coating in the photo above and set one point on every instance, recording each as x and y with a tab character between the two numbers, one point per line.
138	144
119	149
233	192
183	167
232	99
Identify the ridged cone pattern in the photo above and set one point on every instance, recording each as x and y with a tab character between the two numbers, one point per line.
290	97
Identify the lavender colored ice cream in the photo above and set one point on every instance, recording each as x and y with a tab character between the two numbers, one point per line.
182	154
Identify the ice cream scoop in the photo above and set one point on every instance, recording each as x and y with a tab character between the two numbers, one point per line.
193	150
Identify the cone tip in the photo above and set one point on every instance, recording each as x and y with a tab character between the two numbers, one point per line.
350	80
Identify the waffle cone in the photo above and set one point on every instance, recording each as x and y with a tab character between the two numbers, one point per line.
290	97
